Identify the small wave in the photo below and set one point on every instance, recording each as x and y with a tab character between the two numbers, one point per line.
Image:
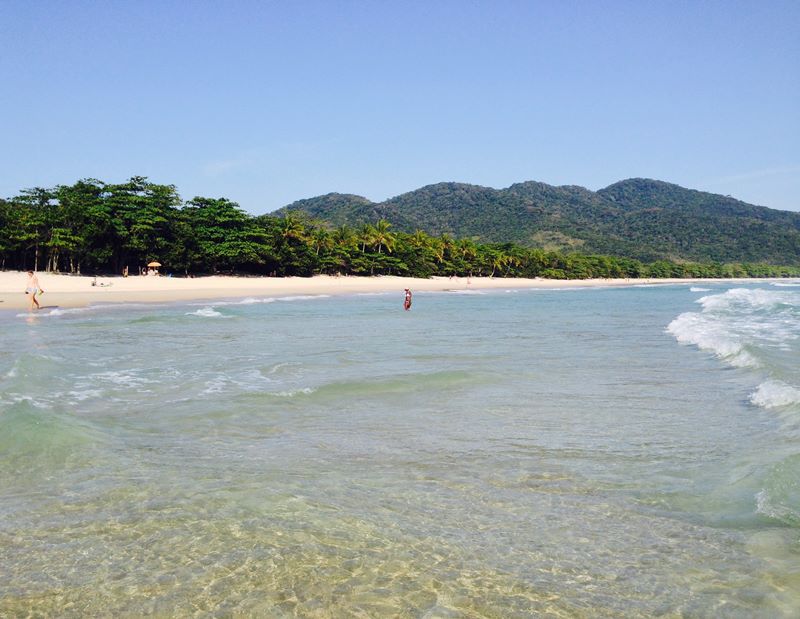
93	308
711	336
258	300
35	438
785	284
293	392
215	385
56	311
80	396
698	289
280	366
17	399
748	299
780	497
398	384
303	297
775	394
123	378
246	301
740	324
466	292
252	301
206	312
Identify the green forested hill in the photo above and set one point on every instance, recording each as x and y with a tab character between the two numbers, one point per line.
638	218
92	226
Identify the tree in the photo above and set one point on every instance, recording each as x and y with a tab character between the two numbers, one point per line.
34	207
382	237
225	236
85	221
143	216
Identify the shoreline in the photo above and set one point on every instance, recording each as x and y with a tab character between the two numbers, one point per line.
70	291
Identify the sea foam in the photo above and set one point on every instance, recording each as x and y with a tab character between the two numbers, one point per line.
775	394
206	312
712	336
739	324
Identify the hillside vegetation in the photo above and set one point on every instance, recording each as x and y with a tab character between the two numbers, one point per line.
637	218
97	227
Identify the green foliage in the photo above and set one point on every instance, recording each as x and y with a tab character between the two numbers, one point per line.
638	218
221	236
103	228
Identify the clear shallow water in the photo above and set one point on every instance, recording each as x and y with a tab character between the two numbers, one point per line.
580	453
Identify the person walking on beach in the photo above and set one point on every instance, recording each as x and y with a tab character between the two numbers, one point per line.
32	288
407	300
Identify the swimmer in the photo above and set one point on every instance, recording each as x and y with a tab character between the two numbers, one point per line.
407	300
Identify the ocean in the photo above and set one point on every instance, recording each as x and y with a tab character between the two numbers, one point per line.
601	452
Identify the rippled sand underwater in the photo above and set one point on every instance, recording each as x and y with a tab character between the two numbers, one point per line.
576	453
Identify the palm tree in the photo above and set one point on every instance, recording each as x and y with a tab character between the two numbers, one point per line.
382	237
291	227
466	251
499	260
321	240
345	237
366	234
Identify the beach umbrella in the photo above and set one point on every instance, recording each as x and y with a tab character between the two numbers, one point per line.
154	264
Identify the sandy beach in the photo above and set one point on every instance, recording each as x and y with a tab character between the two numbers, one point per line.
61	290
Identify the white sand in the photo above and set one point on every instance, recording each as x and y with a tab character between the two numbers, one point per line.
76	291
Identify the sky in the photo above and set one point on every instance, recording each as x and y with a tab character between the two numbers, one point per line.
265	103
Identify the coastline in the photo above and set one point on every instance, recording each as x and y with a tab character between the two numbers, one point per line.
68	291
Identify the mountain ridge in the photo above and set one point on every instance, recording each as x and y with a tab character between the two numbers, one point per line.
639	218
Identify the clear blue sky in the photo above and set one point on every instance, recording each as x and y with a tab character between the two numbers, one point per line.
268	102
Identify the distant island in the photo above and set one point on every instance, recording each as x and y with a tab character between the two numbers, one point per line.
631	229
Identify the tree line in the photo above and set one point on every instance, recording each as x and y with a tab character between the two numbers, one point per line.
94	227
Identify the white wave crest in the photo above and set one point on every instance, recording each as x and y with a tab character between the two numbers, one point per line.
279	366
206	312
293	392
245	301
303	297
215	385
253	301
773	508
56	311
257	300
80	396
780	496
698	289
785	284
125	378
739	325
712	336
775	394
748	299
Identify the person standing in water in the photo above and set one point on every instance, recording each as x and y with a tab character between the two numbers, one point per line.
407	300
32	288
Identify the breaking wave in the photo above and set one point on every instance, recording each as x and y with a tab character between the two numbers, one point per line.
206	312
775	394
738	325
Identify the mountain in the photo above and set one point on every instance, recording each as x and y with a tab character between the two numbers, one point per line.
638	218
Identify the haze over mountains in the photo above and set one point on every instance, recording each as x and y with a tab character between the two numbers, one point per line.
639	218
